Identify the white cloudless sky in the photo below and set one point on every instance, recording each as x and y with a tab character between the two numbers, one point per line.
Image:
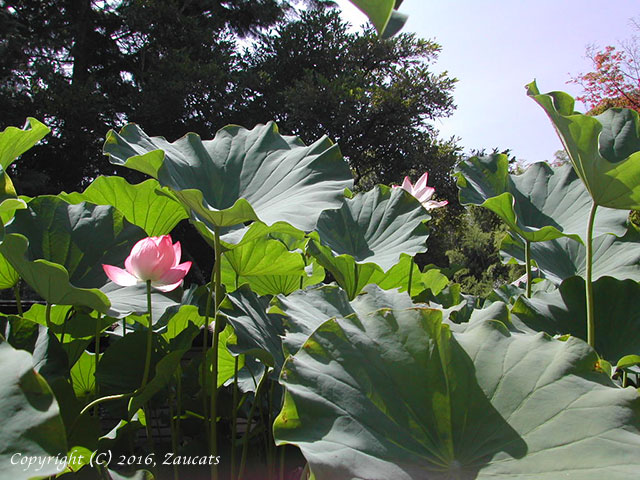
495	47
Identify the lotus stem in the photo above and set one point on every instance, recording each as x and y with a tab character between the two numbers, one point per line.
172	425
205	347
147	360
410	276
16	294
179	403
47	316
527	261
147	365
305	472
97	341
234	419
591	325
70	313
245	441
213	407
270	442
104	399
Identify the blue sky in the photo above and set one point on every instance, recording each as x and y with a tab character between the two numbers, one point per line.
494	48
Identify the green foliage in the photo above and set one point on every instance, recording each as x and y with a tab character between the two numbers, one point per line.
387	358
471	245
542	203
409	399
368	235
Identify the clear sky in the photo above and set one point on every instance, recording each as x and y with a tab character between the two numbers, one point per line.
495	47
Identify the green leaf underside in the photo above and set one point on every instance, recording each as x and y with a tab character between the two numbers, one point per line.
50	280
540	204
15	141
367	236
307	309
395	394
563	311
398	278
258	332
143	204
562	258
378	11
32	425
226	360
241	175
262	257
8	275
603	149
127	300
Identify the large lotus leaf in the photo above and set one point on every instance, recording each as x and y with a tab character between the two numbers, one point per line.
540	204
563	311
235	237
179	319
562	258
271	261
258	332
306	310
241	175
395	394
349	274
286	284
376	227
50	280
603	149
367	236
31	424
59	248
15	141
142	204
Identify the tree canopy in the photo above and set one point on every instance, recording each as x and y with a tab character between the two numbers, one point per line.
615	79
84	67
375	98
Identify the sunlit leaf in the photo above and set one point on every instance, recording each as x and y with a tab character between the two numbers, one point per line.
142	204
604	149
368	234
15	141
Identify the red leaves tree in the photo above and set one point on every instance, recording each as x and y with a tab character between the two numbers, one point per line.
615	80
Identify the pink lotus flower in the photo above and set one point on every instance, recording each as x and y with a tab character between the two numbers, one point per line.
422	192
153	258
